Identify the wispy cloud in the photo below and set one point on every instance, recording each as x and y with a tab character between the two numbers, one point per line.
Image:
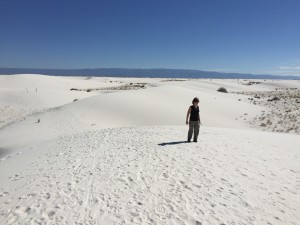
289	67
284	72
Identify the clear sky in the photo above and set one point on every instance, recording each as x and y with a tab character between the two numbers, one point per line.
256	36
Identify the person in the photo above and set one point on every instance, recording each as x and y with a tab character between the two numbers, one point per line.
193	120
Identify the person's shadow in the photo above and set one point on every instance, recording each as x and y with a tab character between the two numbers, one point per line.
173	143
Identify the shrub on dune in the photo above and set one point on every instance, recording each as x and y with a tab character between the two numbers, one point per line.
222	89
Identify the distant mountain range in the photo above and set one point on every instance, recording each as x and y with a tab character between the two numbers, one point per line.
155	73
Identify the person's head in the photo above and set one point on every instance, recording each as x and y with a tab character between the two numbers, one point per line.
195	101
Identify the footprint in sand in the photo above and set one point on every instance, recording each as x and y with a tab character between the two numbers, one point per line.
22	210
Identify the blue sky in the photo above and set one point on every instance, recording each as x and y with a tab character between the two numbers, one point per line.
255	36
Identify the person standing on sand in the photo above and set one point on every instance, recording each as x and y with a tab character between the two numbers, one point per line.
194	121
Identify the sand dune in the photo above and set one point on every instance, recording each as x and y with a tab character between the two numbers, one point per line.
120	157
140	175
161	105
21	95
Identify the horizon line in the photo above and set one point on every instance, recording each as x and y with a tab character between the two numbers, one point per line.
131	68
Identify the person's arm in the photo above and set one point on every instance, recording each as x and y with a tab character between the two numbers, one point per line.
187	115
199	117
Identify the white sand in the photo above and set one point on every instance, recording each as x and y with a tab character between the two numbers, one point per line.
120	157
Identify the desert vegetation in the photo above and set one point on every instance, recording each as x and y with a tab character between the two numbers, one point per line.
282	109
130	86
222	89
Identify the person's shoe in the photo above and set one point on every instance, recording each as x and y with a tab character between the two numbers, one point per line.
195	140
189	140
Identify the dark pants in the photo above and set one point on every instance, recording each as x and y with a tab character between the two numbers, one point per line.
194	126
